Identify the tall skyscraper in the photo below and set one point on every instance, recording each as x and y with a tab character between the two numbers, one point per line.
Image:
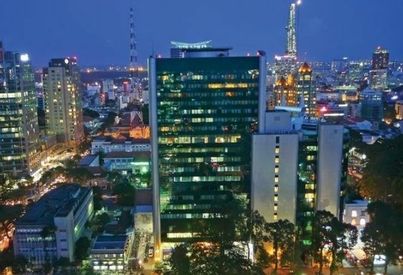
380	59
274	168
322	171
63	110
306	91
19	131
379	73
204	109
133	44
296	172
292	31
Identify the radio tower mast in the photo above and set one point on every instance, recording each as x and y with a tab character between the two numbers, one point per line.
133	46
291	30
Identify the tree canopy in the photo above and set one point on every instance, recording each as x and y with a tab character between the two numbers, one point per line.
383	176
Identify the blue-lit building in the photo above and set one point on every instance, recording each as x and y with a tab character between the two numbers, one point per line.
19	130
371	102
51	226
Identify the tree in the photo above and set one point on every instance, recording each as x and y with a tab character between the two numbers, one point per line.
81	249
98	223
341	236
97	194
9	213
282	235
330	236
221	255
20	264
320	228
383	235
125	193
180	261
383	175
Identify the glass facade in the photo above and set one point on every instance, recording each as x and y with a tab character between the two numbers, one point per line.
19	132
206	111
308	158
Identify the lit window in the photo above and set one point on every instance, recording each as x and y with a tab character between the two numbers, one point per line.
277	159
276	179
277	150
275	208
353	222
354	213
276	170
363	222
276	188
276	197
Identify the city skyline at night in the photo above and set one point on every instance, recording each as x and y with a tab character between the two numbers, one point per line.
99	32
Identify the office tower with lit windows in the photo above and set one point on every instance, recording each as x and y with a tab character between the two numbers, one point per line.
204	108
296	172
380	59
322	171
284	92
379	72
19	131
306	91
63	110
274	168
371	104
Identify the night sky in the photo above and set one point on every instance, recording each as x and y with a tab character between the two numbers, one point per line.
97	30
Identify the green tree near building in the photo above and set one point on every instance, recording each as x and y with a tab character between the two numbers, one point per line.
384	234
281	235
220	255
81	249
383	175
125	193
330	238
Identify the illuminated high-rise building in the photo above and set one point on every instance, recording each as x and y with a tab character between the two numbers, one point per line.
204	108
306	91
63	110
286	65
285	93
19	131
292	31
380	59
378	76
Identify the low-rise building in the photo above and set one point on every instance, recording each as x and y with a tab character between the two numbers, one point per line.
355	213
128	162
109	144
89	161
110	253
51	226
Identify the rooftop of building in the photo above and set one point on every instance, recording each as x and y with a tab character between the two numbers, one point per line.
87	160
305	69
105	242
136	155
120	140
56	203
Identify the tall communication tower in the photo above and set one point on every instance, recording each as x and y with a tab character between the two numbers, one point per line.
133	45
291	30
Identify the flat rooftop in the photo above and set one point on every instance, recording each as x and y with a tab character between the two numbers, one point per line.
58	202
110	242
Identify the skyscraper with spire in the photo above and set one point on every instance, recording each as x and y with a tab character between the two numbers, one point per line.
291	32
133	45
